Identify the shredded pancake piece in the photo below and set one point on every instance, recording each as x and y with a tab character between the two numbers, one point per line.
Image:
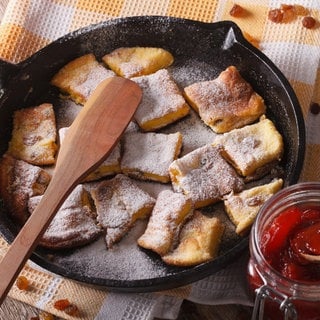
242	208
252	147
20	180
80	77
147	156
227	102
34	135
131	62
120	202
168	215
74	224
205	176
199	241
162	102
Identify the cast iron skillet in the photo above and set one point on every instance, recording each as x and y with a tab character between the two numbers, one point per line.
218	45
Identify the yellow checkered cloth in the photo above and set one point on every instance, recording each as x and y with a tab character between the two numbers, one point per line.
29	25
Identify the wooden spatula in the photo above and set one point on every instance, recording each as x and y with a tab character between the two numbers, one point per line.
89	140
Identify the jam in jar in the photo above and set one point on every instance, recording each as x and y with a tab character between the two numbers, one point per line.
284	266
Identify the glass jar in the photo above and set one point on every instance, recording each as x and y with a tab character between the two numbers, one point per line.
277	296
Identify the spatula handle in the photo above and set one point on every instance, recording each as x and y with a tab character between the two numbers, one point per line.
89	140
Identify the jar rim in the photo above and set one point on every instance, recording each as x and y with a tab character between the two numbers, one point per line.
282	200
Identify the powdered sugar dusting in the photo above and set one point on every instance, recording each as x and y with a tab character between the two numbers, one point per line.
25	176
66	111
161	97
130	68
72	225
125	261
165	221
194	132
95	75
149	153
205	176
191	71
120	202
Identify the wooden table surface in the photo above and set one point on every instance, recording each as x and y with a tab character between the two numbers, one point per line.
15	310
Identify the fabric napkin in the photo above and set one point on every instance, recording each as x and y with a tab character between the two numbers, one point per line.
29	25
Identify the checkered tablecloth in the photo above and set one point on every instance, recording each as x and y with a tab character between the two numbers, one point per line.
29	25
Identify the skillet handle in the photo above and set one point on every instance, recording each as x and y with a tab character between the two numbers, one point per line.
7	70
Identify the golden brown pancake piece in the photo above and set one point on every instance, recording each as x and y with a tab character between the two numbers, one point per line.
162	102
74	224
34	135
199	241
227	102
131	62
242	208
204	175
80	77
252	147
168	215
19	181
147	156
120	202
